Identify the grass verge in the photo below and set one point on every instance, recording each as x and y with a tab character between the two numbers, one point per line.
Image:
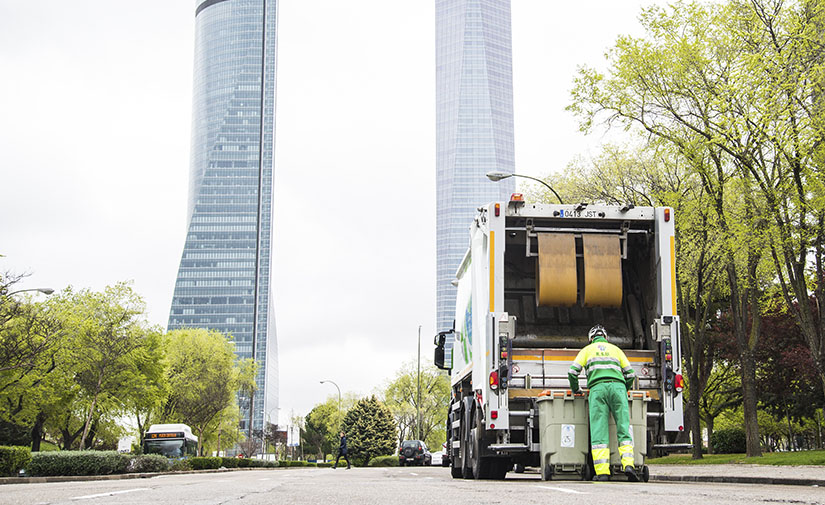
768	458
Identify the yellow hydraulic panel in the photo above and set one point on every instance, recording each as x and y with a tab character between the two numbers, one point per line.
556	279
602	270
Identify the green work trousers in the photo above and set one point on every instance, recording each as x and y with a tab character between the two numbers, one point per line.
608	398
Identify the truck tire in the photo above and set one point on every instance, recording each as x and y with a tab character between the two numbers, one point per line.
482	466
466	443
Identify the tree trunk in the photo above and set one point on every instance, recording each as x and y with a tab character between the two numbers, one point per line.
749	404
695	423
37	431
709	426
89	416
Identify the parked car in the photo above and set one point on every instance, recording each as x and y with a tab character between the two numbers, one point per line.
414	452
445	458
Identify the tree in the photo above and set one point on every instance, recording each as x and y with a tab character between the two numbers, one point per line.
203	379
686	84
722	393
321	428
370	430
401	397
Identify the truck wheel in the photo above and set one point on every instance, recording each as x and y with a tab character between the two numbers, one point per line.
466	443
482	467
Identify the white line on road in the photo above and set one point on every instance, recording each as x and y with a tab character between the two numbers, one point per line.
563	490
111	493
413	473
267	478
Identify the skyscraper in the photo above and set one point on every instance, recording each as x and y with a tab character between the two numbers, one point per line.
223	278
474	127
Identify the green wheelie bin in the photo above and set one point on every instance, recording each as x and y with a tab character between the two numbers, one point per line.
564	435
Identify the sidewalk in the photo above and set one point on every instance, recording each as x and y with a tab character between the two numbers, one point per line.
741	474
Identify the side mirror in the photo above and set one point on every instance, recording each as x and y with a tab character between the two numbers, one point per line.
438	358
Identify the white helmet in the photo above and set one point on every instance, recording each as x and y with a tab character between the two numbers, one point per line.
596	331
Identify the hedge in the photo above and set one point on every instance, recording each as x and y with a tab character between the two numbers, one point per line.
729	441
243	463
297	463
384	461
205	463
230	462
78	463
13	459
148	463
323	464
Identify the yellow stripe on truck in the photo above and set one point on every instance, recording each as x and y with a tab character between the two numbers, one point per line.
673	273
492	251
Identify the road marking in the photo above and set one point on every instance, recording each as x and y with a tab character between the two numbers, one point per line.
413	473
264	479
111	493
563	490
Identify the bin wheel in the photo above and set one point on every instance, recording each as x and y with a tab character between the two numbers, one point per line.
547	473
587	472
645	474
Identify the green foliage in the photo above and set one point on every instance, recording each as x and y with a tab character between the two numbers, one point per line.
283	463
13	459
78	463
370	429
203	379
323	464
180	465
205	463
401	397
230	462
148	463
243	462
384	461
729	441
297	462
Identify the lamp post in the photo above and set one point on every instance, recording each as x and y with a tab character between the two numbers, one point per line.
339	394
496	176
418	403
45	291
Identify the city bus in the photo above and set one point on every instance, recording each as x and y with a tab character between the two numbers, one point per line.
170	440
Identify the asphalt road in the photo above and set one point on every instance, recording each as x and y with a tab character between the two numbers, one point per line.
407	486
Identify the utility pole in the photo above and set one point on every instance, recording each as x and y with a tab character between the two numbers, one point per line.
418	403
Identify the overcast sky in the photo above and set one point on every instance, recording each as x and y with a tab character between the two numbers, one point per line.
95	101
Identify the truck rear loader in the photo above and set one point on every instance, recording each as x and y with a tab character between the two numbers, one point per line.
535	279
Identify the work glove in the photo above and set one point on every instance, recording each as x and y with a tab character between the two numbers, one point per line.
628	383
574	383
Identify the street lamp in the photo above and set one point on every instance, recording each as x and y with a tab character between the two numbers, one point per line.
45	291
339	394
496	176
418	403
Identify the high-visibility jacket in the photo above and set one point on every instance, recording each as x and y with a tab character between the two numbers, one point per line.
601	361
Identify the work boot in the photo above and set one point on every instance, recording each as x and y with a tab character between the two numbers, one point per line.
601	478
631	474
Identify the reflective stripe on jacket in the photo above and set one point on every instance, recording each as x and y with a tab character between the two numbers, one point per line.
602	361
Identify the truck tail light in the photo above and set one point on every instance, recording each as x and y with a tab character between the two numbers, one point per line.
517	197
498	210
494	379
667	214
494	414
679	383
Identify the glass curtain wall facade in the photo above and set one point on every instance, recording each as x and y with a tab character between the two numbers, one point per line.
223	281
474	128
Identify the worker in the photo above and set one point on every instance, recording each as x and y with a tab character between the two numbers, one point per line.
609	377
342	451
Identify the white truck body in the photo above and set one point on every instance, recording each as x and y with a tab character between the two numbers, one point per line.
508	347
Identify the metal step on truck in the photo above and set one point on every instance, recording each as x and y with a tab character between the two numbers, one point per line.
535	279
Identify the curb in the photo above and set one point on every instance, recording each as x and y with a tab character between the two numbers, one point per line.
738	480
125	476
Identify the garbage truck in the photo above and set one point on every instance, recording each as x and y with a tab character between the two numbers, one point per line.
535	278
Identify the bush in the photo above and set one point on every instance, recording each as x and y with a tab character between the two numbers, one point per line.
729	441
205	463
243	463
13	459
297	463
384	461
323	464
312	464
148	463
229	462
271	464
283	462
78	463
180	465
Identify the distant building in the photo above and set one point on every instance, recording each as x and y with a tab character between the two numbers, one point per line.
474	127
223	281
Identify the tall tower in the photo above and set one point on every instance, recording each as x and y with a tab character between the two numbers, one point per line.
474	127
223	279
